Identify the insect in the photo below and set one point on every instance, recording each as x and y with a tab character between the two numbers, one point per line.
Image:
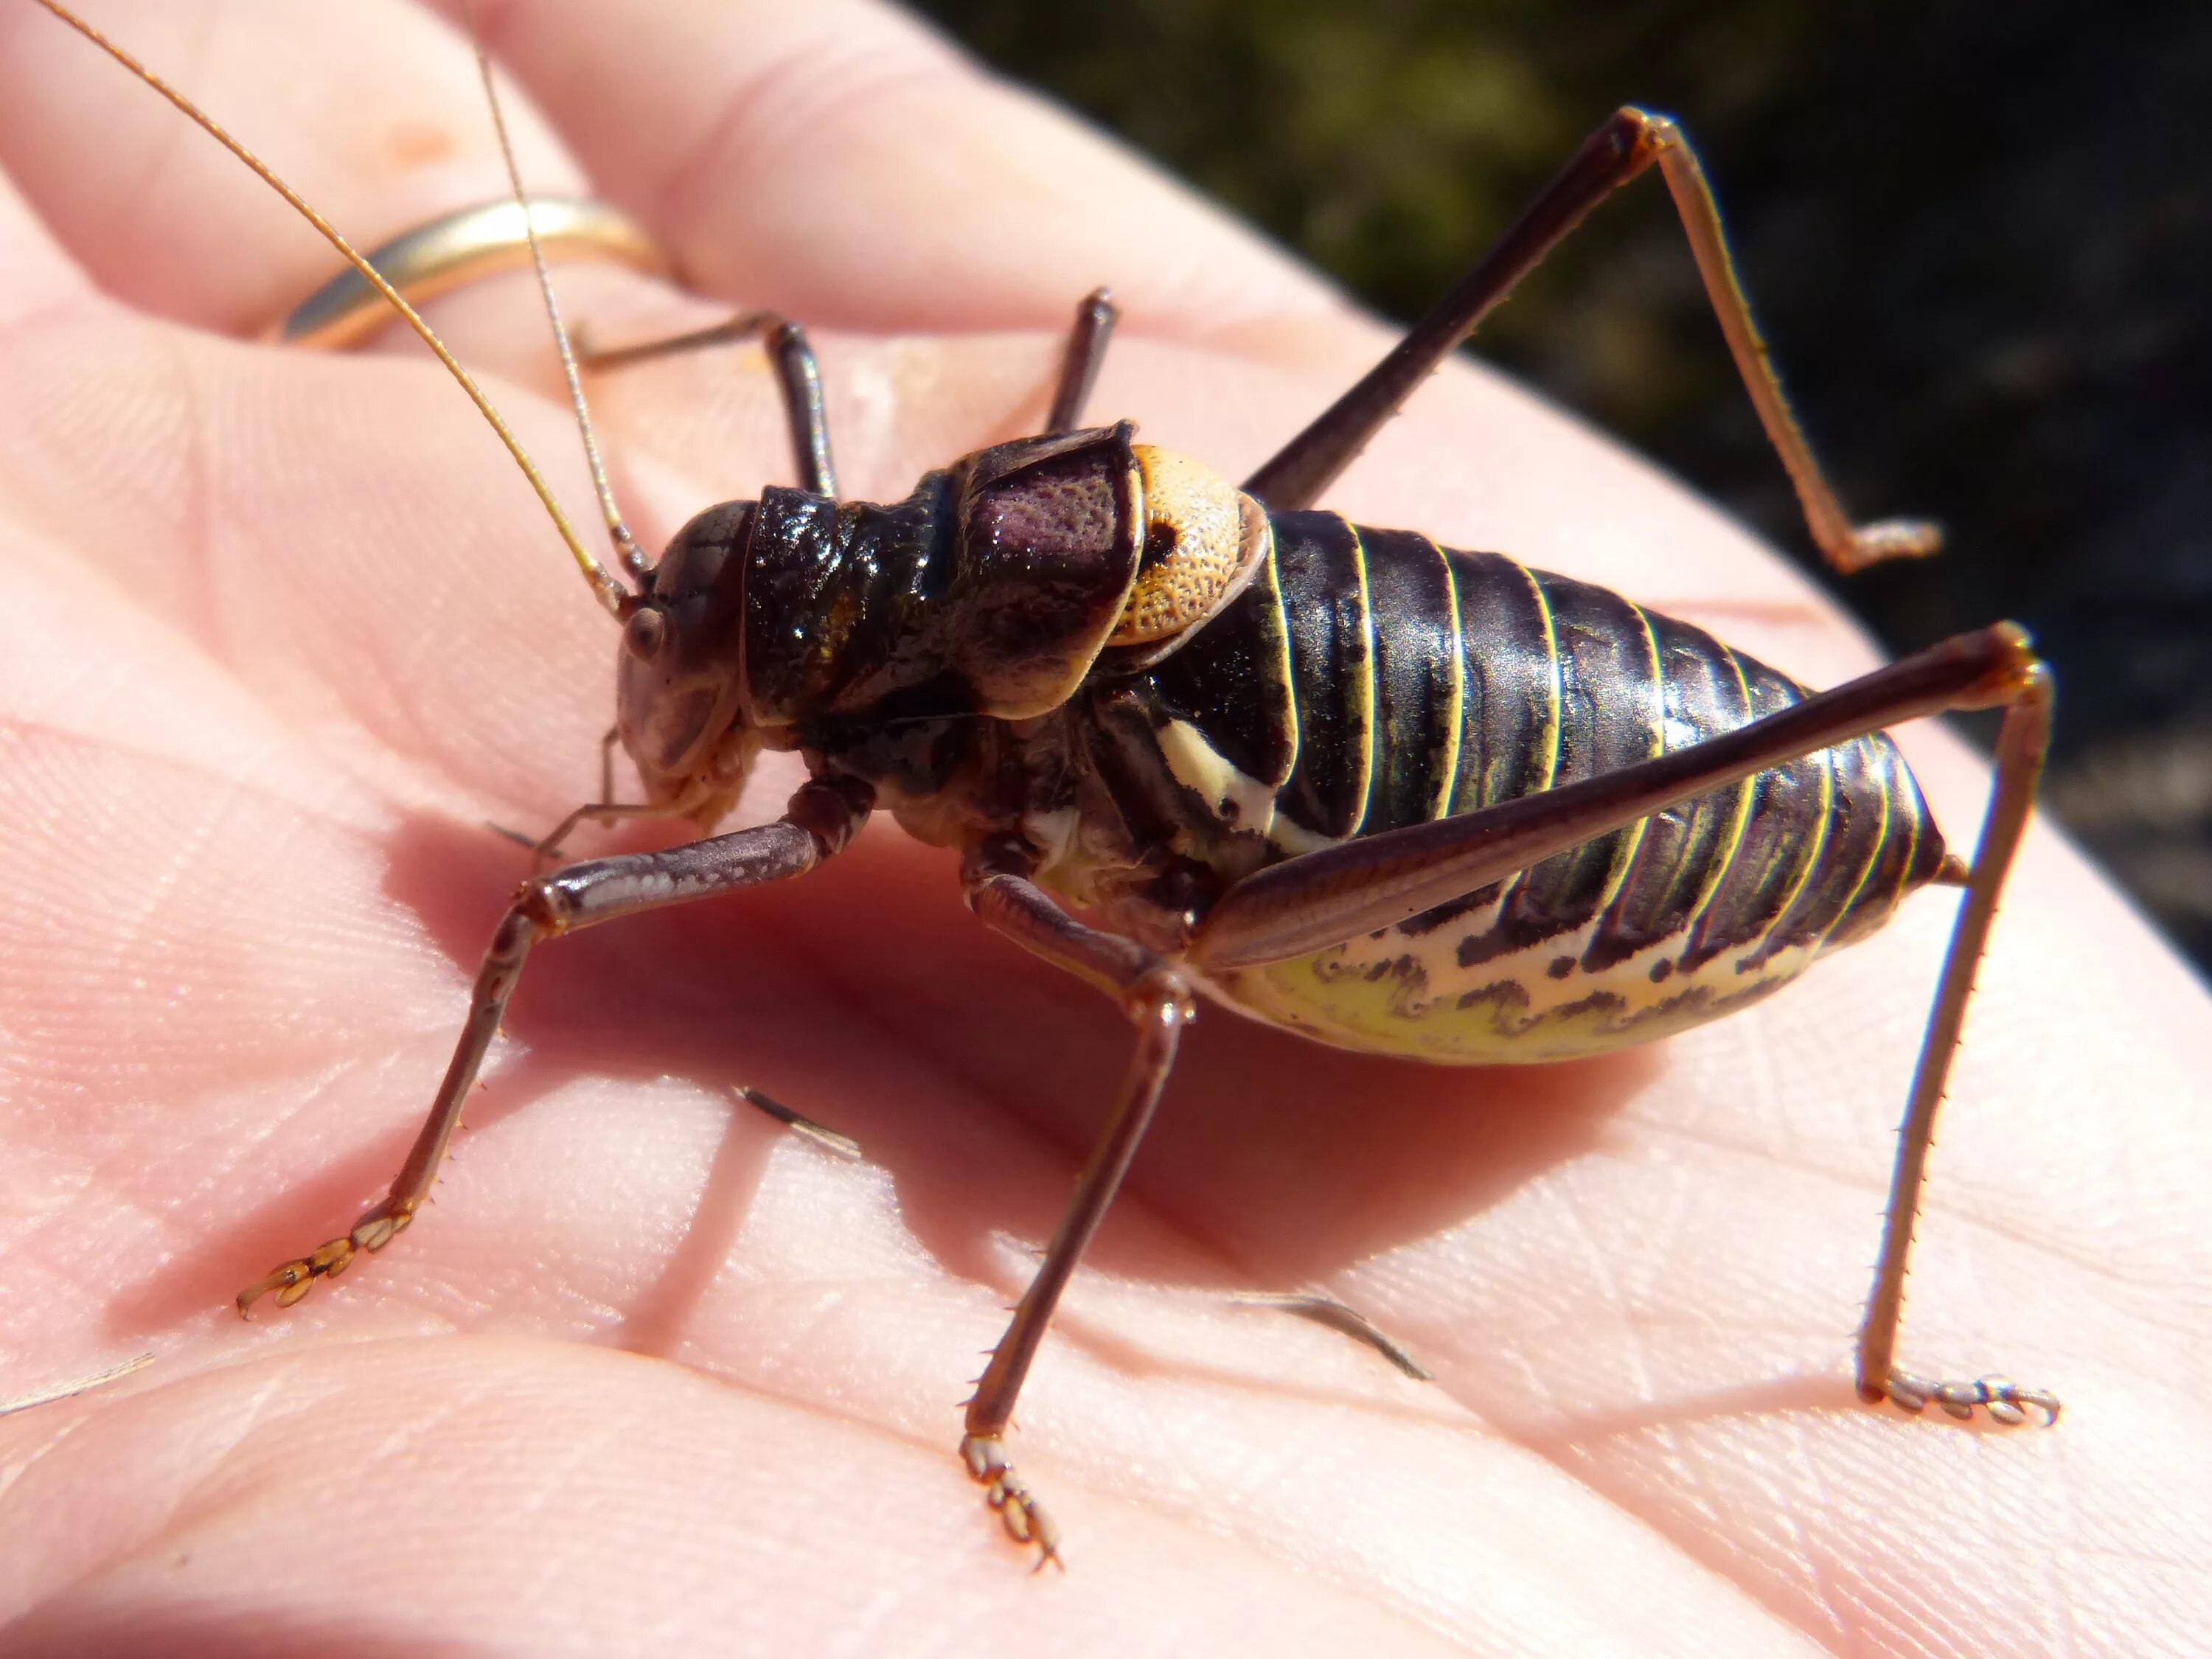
1400	798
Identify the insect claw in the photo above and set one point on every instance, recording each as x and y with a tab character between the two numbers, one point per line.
2006	1401
281	1280
1885	539
515	835
1022	1516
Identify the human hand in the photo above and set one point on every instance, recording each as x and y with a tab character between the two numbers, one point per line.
282	630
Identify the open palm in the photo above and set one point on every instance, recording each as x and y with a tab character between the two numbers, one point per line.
279	632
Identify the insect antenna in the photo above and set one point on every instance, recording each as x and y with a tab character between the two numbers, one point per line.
611	593
626	548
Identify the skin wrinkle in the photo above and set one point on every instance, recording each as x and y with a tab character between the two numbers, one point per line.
1831	1628
1744	1573
1992	1524
234	790
1608	1287
1912	1611
13	1473
1384	1591
263	1131
1823	1619
2068	1540
373	688
59	310
1690	1196
225	648
1744	1570
265	743
2047	1245
197	513
1262	1543
303	1101
185	848
262	1399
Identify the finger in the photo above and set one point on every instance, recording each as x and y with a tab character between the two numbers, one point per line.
373	111
841	162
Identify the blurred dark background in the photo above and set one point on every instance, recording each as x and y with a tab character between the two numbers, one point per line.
1978	233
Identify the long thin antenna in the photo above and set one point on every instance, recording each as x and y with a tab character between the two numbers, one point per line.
626	547
610	592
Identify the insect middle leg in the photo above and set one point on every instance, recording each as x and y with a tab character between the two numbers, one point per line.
1158	1001
820	820
1337	894
1630	140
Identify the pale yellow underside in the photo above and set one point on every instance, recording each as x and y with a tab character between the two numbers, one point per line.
1408	996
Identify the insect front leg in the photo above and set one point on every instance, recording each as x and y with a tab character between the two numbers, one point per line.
820	820
1158	1001
1328	897
1095	316
798	379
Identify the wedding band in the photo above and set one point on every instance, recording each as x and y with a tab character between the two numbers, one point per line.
462	247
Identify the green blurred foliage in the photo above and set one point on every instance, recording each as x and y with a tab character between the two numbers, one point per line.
1978	234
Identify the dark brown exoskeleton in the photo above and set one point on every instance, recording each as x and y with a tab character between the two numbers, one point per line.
1396	796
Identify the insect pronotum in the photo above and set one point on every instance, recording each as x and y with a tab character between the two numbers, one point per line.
1398	798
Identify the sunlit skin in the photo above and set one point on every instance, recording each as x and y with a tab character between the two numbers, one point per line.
281	631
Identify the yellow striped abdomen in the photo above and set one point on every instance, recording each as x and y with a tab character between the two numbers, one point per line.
1372	679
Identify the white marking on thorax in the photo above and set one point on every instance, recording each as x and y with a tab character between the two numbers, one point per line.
1244	803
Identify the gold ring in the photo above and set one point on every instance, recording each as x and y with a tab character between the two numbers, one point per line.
462	247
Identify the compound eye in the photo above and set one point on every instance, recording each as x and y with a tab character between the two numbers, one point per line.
1195	540
645	636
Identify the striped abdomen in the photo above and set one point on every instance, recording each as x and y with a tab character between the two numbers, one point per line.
1370	679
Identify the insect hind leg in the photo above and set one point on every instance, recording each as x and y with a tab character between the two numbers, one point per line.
2021	744
1630	140
1326	897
